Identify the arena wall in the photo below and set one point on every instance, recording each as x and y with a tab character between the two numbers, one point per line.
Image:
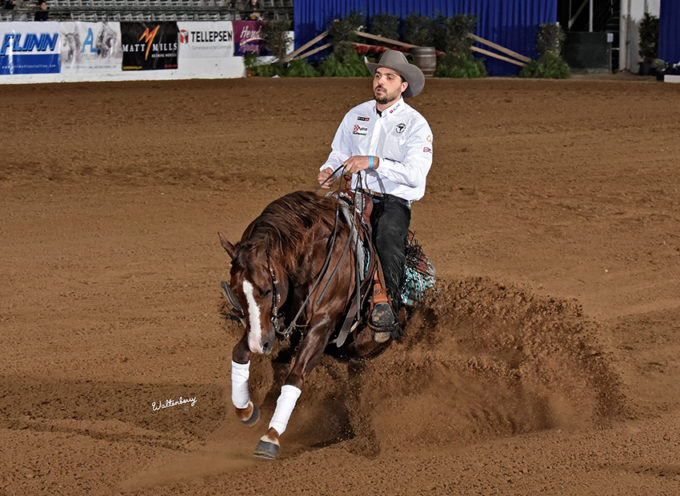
33	52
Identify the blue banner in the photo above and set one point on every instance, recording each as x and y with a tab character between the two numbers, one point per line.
30	64
29	48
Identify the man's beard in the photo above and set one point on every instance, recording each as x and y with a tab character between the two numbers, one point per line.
382	100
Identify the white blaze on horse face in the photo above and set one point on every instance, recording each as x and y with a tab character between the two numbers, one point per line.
255	334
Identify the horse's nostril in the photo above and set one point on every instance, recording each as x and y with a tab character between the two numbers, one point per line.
265	346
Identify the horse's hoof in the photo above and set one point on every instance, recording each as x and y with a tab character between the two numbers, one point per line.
266	449
254	417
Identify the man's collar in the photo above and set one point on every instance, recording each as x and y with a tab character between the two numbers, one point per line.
392	109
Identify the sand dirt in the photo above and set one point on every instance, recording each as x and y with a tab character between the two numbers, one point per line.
547	363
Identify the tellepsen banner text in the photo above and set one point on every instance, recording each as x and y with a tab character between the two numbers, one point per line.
198	40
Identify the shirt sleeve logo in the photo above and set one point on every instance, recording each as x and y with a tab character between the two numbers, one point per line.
360	130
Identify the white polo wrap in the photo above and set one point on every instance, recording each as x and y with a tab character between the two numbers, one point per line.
239	384
284	407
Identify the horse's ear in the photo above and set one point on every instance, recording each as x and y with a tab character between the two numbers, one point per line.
228	247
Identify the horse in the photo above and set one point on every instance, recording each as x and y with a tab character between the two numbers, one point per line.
296	259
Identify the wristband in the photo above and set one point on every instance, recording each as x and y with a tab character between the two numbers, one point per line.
370	161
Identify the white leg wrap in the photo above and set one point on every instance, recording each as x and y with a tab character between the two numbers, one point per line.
240	373
284	407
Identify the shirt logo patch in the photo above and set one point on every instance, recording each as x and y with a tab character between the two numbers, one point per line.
427	149
360	130
401	127
365	119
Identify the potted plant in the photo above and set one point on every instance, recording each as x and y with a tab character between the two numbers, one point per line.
550	63
649	38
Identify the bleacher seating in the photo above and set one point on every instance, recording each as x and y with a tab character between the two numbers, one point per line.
149	10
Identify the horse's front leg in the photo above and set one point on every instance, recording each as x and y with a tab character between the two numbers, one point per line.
246	411
311	350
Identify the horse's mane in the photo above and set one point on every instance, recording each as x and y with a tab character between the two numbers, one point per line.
286	223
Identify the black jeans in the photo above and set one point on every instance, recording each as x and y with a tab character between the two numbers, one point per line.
390	219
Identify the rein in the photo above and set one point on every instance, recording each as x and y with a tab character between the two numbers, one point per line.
276	295
329	253
276	318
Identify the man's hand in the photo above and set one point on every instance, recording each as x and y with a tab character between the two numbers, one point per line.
359	162
324	180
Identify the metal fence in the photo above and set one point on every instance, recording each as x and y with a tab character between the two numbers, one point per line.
149	10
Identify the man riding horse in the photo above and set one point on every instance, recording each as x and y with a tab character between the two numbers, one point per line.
387	146
294	261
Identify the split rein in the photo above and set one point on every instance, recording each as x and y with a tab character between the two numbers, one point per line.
276	318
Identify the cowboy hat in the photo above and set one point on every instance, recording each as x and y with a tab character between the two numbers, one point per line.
392	59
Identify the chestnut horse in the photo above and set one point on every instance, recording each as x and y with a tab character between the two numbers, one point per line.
297	259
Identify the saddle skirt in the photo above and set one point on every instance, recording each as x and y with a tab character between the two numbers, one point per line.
419	272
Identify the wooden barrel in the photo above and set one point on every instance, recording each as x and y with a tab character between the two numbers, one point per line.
426	59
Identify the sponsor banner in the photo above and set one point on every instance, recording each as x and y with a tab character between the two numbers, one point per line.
248	38
29	47
90	47
205	39
149	45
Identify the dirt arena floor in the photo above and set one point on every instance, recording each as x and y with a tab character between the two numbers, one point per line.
548	362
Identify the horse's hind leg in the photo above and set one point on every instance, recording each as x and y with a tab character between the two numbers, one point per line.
246	410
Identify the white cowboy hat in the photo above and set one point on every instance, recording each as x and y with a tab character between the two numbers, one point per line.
395	60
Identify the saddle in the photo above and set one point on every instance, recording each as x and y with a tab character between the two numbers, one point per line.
356	210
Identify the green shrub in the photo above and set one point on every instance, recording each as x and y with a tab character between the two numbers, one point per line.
457	66
385	25
419	30
351	66
274	35
250	60
341	34
550	66
550	39
451	34
451	37
649	37
300	68
267	70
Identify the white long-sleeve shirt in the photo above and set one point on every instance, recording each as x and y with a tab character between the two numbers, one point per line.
401	138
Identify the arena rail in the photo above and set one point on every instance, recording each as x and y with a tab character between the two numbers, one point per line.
76	51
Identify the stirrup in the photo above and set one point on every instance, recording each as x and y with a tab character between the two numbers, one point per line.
384	324
382	315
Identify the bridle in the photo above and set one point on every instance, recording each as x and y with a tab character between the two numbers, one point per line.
275	318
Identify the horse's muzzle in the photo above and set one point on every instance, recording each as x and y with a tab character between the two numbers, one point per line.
264	346
267	347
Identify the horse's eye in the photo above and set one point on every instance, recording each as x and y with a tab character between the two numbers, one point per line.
266	293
